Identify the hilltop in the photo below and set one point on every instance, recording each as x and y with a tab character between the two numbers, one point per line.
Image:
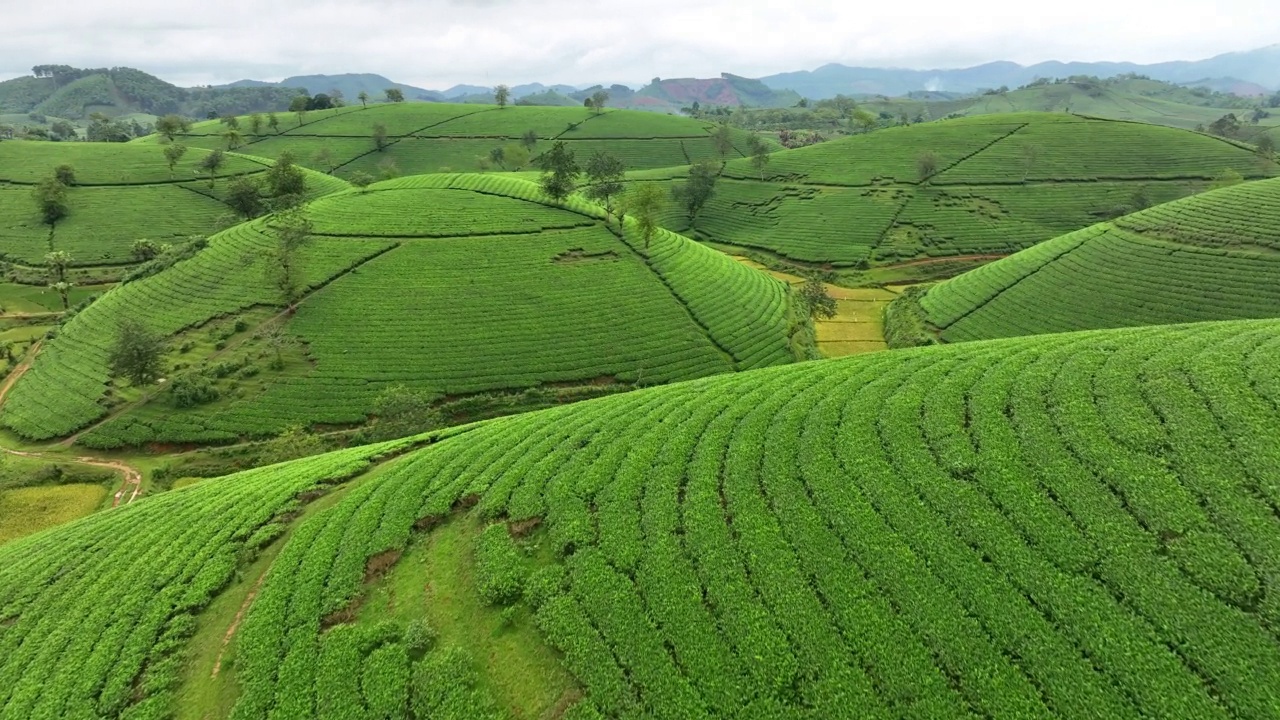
459	137
1214	256
982	186
1060	526
447	285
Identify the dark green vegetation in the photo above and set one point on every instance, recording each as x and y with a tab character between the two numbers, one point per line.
1074	525
1214	256
983	186
437	137
448	284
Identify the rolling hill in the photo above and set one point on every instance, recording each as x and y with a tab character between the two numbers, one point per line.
442	137
1070	526
122	193
996	184
448	284
1214	256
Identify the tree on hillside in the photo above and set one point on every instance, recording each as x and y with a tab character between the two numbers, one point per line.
498	157
529	140
604	173
273	122
1266	146
244	195
324	158
172	154
58	261
171	125
1227	126
51	198
65	174
363	97
298	106
63	288
136	353
644	203
293	230
399	412
212	163
926	165
698	188
230	121
144	250
292	443
233	139
277	340
286	182
722	139
760	157
255	124
379	136
388	169
360	179
1226	178
394	95
337	98
559	172
515	156
814	295
597	100
501	95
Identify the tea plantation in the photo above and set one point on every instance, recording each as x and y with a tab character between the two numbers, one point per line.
448	284
1214	256
121	193
992	185
1077	525
444	137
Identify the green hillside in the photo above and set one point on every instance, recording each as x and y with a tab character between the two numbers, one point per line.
1072	526
122	193
1214	256
442	137
1001	183
449	284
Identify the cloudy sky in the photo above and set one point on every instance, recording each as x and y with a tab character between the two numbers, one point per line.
437	43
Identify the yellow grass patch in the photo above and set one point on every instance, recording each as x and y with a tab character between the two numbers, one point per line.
29	510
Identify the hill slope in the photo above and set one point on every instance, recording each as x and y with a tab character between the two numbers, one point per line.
1066	526
122	193
450	284
441	137
1214	256
1000	183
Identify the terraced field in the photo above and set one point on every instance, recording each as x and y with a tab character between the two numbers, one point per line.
1075	525
999	184
449	284
1214	256
122	193
443	137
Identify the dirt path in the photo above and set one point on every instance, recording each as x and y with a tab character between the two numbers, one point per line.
235	624
949	258
132	476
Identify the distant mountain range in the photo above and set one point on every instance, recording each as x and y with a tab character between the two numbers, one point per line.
1251	72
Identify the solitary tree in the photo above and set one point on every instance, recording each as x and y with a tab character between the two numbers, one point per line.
759	154
286	182
379	136
277	340
324	158
698	189
515	156
58	261
172	154
293	230
400	412
864	119
394	95
337	98
1227	178
926	165
605	173
65	174
530	139
273	122
230	121
1266	146
255	124
298	106
171	125
144	250
363	97
360	179
598	99
816	298
212	163
244	195
136	353
234	138
388	169
501	95
498	157
559	172
722	138
63	288
644	203
51	198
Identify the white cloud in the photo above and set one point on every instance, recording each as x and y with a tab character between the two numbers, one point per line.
436	43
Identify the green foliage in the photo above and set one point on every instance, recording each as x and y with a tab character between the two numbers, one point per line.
65	174
400	411
137	353
926	165
51	199
501	94
286	182
814	295
644	203
905	321
394	95
244	196
212	163
501	566
361	180
559	172
171	125
379	136
698	189
419	638
293	443
192	389
605	174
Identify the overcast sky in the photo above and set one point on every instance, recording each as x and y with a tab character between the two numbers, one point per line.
437	43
